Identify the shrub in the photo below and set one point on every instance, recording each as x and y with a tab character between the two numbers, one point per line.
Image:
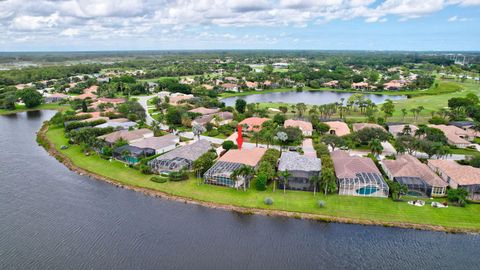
227	145
158	179
321	204
145	169
457	196
178	176
261	182
268	201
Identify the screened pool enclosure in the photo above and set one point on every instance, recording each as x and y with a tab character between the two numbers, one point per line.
364	184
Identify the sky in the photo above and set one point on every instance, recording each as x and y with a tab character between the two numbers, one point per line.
90	25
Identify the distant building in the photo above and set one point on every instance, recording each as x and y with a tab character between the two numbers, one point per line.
359	126
338	128
56	97
204	111
132	154
253	123
304	126
396	130
302	169
456	136
230	87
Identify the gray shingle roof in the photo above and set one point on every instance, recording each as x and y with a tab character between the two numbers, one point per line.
295	162
190	152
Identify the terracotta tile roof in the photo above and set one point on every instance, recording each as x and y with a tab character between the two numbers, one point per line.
340	128
250	157
461	174
88	93
302	125
395	129
176	99
347	166
360	126
128	135
204	111
455	135
253	123
409	166
157	142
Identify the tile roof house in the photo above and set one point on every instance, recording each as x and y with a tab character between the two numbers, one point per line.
301	168
117	124
358	176
88	93
251	85
395	130
338	128
253	123
455	135
360	85
129	135
417	176
394	85
204	111
230	87
359	126
180	158
159	144
457	175
219	118
304	126
220	173
178	98
331	84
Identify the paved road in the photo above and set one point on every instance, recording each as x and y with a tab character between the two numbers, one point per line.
149	119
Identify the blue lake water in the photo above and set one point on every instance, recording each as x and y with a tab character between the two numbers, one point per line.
52	218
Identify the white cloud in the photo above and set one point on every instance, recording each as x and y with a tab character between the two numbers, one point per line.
70	32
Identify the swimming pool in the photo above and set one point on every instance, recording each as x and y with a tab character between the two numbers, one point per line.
367	190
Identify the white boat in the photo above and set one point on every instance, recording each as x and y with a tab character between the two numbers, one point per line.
439	205
417	203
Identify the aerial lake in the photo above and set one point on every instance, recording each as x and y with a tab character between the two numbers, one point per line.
52	218
307	97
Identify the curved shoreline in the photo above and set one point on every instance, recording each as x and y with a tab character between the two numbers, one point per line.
51	149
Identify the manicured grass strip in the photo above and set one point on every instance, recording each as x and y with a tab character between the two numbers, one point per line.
367	209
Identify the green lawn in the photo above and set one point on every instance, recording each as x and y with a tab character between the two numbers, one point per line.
367	209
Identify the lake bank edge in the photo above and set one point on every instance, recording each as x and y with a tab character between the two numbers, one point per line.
66	161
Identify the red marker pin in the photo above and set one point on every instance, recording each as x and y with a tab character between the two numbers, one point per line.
239	138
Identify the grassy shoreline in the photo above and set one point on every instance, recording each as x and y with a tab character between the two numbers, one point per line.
297	204
49	106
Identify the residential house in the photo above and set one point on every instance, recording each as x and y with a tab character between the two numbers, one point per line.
417	176
220	173
396	130
232	87
251	85
204	111
219	118
130	136
338	128
394	85
180	158
301	169
253	124
458	176
331	84
359	126
360	86
358	176
159	144
118	124
178	98
304	126
88	93
55	97
456	136
132	154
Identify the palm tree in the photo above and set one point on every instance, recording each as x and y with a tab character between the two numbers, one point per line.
375	146
245	172
328	176
285	175
256	137
315	180
404	113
